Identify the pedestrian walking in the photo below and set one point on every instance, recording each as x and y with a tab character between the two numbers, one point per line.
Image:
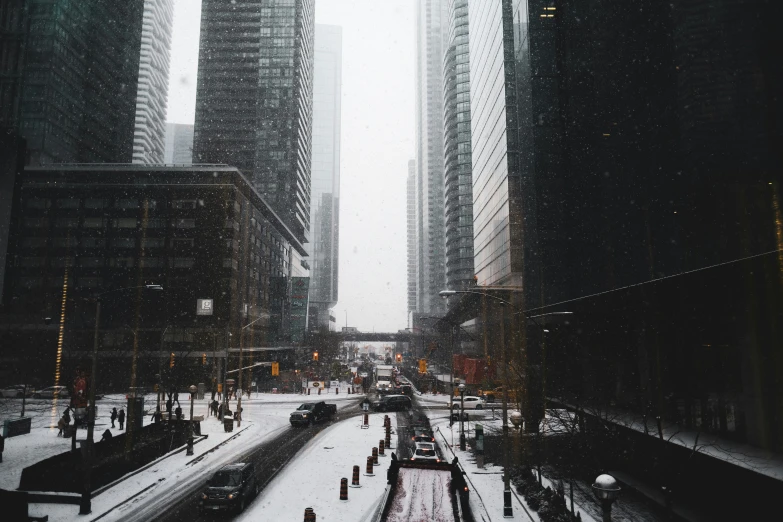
2	446
61	426
220	412
113	416
121	418
67	415
178	413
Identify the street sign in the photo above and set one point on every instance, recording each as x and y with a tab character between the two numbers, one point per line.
316	384
204	306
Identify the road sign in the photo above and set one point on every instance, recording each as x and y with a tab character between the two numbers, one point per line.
204	306
316	384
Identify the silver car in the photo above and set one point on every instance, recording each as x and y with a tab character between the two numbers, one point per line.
52	392
17	391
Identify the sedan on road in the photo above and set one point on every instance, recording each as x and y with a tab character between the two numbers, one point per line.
17	391
52	392
471	403
392	403
425	452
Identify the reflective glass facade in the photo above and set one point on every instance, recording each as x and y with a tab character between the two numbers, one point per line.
431	34
457	147
325	202
254	100
411	234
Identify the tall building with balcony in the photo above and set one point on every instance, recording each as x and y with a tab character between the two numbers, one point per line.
457	150
325	199
431	42
411	235
254	100
152	95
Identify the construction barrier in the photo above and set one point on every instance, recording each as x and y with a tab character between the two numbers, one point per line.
375	456
381	448
355	478
344	489
368	470
309	514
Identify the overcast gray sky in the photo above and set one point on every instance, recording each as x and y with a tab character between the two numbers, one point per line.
377	142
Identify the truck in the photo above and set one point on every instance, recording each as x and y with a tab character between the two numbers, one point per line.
312	412
384	377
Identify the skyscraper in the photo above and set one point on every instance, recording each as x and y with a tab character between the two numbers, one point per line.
254	101
431	33
152	94
411	235
80	80
325	201
459	189
179	144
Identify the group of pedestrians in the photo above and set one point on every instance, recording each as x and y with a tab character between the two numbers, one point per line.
119	417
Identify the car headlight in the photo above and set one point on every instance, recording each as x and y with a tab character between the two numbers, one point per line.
232	496
204	496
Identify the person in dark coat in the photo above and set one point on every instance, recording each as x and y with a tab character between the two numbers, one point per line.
220	412
121	418
67	416
113	416
178	413
106	435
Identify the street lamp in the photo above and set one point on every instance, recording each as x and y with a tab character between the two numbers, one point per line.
192	389
606	490
461	416
85	504
239	385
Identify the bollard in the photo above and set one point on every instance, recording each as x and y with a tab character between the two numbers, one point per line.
375	456
344	489
337	391
366	419
380	448
355	478
319	391
309	515
368	471
308	391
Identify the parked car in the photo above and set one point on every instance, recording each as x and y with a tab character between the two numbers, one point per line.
471	403
230	488
392	403
51	392
17	391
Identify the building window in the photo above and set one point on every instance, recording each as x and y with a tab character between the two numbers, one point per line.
64	242
155	223
125	222
89	282
67	222
184	223
153	242
126	203
68	203
121	262
183	203
91	262
93	242
38	203
151	262
34	242
124	242
29	282
36	222
31	261
183	262
94	222
96	203
63	262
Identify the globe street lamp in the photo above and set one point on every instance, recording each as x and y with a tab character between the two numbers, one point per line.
606	490
193	389
462	416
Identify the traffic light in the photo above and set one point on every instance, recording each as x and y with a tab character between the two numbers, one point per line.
204	359
399	357
422	365
171	360
275	369
315	356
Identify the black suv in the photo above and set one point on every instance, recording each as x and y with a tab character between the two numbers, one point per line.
230	488
392	403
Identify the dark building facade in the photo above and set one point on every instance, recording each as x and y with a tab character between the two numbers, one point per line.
625	170
254	101
202	232
457	164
